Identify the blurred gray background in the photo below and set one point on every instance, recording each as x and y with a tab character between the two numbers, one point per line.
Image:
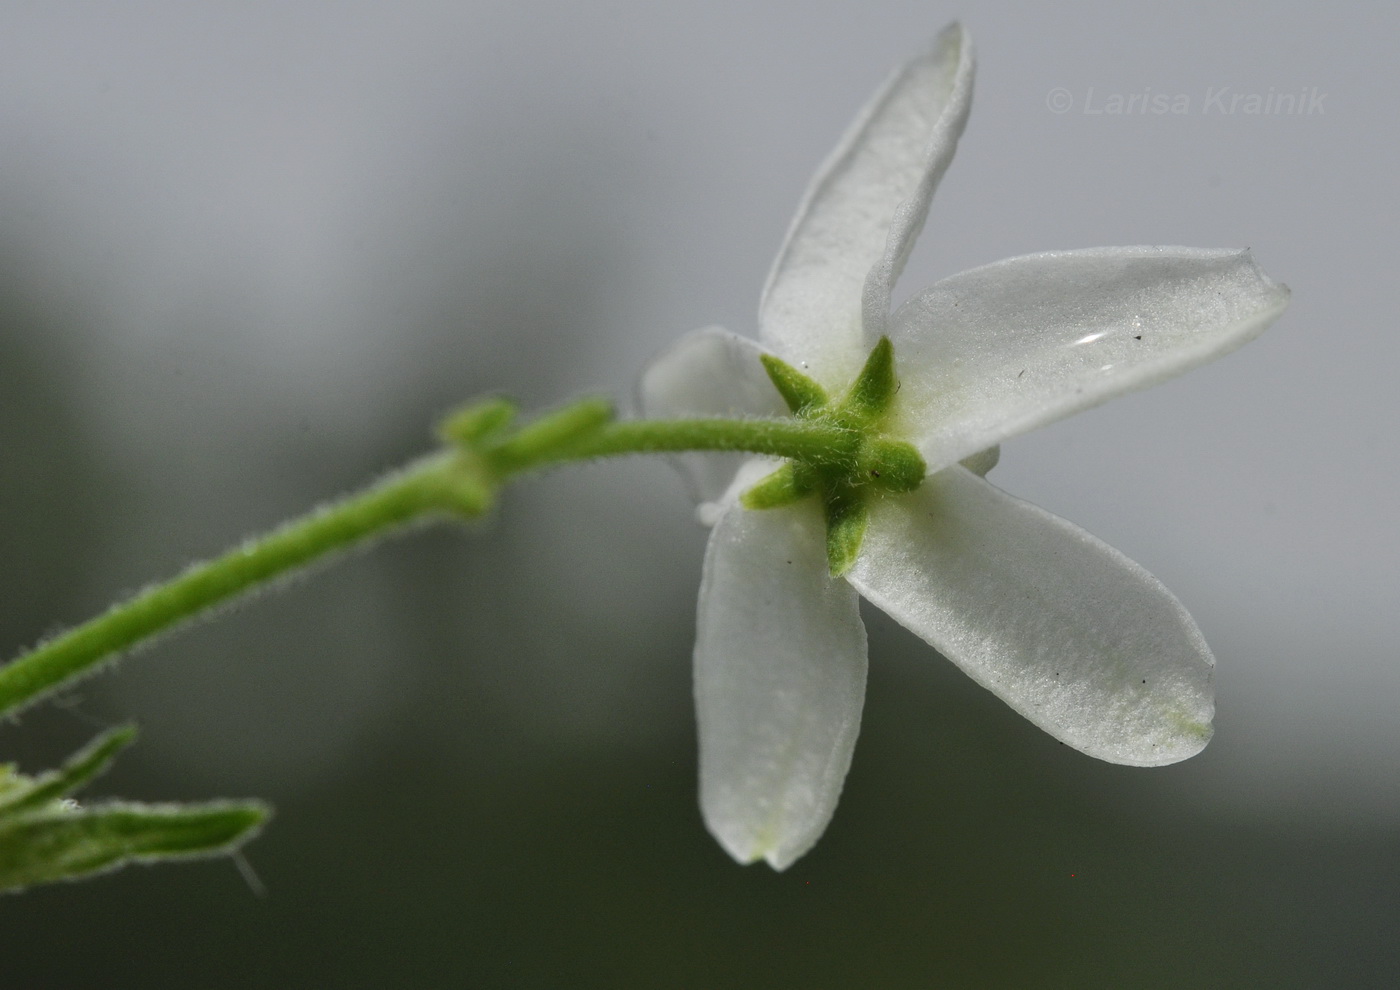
250	251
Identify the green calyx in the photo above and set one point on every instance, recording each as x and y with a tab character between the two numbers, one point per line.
880	464
837	449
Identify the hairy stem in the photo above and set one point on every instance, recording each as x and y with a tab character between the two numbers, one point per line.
454	482
384	506
811	442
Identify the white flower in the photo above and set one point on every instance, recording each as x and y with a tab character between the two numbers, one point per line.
1064	629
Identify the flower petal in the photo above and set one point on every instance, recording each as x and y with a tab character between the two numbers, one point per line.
862	212
999	350
947	99
708	372
779	682
1063	628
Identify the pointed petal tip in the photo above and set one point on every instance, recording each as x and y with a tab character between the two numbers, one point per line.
746	852
953	34
1191	738
1279	290
1245	254
778	863
747	841
739	848
747	849
1272	298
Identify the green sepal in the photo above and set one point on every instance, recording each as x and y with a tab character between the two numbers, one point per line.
846	520
24	794
891	465
800	392
552	434
982	461
478	422
65	842
874	388
790	483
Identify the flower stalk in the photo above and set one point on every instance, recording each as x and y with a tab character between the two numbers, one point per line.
459	482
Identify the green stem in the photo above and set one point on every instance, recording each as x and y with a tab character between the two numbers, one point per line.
791	438
389	503
458	483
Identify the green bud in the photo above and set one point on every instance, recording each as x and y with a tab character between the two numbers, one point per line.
800	392
874	389
477	422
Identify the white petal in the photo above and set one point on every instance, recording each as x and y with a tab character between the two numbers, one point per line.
982	462
1063	628
999	350
708	372
944	81
862	212
779	682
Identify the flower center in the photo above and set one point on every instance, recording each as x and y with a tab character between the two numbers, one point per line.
844	481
